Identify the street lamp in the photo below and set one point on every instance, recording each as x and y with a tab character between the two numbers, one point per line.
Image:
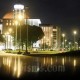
69	46
63	35
26	39
65	43
6	34
26	52
20	17
74	32
16	23
10	30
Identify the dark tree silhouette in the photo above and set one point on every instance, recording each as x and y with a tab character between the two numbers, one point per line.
1	38
29	33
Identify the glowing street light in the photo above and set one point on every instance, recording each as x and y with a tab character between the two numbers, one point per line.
74	32
20	17
63	35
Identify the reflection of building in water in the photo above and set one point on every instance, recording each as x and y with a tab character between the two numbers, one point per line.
63	61
13	65
34	67
51	61
17	68
74	62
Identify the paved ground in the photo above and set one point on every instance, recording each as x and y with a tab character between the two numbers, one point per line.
48	53
2	53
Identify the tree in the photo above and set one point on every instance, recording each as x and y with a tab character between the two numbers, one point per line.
1	38
34	34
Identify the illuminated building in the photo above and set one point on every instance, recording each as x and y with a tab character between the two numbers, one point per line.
18	10
52	37
8	20
35	22
52	34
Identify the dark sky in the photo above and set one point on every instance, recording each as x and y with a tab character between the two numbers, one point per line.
65	13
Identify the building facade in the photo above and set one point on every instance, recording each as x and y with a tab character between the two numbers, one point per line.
52	37
9	20
52	34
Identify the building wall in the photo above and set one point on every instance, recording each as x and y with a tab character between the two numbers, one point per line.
32	22
7	24
18	10
51	37
58	37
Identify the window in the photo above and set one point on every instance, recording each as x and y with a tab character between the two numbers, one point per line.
7	23
10	24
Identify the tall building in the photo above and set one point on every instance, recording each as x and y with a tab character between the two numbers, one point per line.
52	37
8	21
52	34
18	10
35	22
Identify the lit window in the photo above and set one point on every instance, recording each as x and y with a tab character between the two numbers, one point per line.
13	23
10	20
6	23
10	24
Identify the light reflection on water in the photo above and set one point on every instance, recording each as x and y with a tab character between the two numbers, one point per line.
18	66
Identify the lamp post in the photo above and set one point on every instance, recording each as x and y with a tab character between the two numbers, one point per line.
65	44
69	46
26	39
6	34
74	32
20	17
10	30
16	23
26	52
63	35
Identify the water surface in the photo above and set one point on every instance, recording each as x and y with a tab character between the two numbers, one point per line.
23	66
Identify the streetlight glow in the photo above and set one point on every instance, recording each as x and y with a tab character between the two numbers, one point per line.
74	32
63	35
16	22
20	17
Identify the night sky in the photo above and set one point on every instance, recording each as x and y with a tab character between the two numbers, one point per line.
65	13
